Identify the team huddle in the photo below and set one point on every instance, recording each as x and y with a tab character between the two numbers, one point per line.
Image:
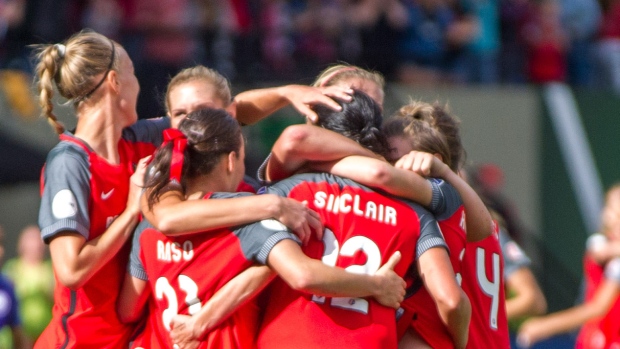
363	234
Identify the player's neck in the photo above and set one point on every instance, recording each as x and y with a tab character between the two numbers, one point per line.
216	181
98	128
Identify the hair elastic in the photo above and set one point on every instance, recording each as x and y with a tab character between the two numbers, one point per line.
104	75
179	142
62	49
334	73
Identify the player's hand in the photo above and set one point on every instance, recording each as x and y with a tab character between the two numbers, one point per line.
136	184
530	332
302	220
422	163
183	332
303	98
392	290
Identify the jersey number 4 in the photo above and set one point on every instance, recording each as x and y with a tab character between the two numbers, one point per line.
164	289
489	288
349	248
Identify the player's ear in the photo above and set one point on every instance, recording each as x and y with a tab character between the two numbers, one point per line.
231	158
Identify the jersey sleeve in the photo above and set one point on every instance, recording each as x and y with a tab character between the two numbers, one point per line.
147	131
257	239
445	200
66	192
136	267
430	234
261	173
514	257
612	270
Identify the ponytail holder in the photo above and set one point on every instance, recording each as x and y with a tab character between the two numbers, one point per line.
334	73
179	142
61	50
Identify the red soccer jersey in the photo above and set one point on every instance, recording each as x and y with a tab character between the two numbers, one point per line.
602	332
83	193
362	230
419	308
416	312
483	282
185	271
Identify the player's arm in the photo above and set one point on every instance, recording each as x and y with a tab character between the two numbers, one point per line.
452	303
311	275
379	174
254	105
18	336
539	328
299	145
76	259
245	286
478	219
174	215
131	302
527	298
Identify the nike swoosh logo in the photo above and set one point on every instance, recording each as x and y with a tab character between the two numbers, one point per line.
105	196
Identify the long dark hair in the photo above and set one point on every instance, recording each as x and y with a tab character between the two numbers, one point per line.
360	120
210	133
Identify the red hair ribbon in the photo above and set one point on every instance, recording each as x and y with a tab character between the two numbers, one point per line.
178	150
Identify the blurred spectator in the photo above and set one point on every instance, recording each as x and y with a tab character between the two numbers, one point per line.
513	17
431	42
277	46
379	24
481	56
581	19
9	313
547	43
168	39
12	14
32	275
104	17
608	46
318	26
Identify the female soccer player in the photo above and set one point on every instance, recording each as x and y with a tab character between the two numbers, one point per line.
204	157
598	314
90	199
198	87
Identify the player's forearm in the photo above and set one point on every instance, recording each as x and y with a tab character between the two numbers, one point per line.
254	105
76	261
457	321
173	215
528	300
478	219
311	275
379	174
231	296
301	145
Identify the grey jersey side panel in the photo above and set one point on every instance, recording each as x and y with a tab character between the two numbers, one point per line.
136	268
258	239
430	234
147	130
514	257
66	192
446	199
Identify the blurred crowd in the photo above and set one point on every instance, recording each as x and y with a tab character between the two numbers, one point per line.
409	41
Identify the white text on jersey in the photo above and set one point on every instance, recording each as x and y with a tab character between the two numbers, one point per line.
347	203
173	251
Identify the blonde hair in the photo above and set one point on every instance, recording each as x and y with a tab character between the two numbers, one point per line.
74	68
410	119
339	72
200	72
